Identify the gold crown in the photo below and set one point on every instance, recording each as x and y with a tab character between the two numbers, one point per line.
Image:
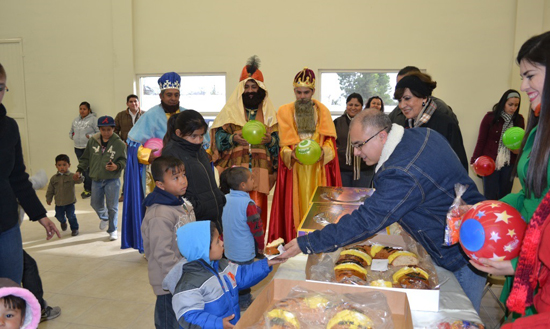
305	78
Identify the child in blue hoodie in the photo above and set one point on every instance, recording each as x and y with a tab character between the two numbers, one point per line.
167	210
206	287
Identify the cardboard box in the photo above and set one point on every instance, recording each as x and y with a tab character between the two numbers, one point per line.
419	299
279	289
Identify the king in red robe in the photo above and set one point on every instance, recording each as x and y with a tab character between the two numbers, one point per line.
301	120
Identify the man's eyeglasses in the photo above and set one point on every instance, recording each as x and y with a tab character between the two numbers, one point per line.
358	146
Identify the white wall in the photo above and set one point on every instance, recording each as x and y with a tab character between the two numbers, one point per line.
77	50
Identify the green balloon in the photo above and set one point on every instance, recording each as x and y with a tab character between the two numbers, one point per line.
512	138
308	152
254	131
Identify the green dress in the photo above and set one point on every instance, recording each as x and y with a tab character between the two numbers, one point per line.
526	206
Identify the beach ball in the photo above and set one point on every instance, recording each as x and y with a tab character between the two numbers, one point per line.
155	143
484	166
512	138
254	131
492	229
308	152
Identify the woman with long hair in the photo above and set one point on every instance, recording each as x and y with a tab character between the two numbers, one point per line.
184	140
533	266
375	102
505	114
354	171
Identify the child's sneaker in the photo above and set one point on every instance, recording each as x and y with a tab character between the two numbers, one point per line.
74	232
64	226
86	194
114	236
50	313
103	224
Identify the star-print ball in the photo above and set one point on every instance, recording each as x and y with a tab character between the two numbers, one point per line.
492	229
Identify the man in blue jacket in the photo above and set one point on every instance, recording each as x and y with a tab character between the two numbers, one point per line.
416	171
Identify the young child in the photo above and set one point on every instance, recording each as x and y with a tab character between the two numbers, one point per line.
167	210
203	284
242	226
18	307
62	188
105	157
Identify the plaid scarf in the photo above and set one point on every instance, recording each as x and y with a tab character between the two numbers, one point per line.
351	159
527	271
424	115
503	155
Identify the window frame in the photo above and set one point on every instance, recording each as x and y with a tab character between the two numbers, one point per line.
206	114
336	113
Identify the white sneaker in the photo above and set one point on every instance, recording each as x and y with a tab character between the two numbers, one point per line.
103	224
114	235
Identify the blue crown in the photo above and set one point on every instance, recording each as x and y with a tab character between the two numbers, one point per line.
170	80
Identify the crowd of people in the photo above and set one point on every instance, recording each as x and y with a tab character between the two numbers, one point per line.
184	223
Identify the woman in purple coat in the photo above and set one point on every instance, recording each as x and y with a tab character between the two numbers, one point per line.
505	114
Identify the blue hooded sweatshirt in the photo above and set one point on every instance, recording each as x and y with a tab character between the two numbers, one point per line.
205	291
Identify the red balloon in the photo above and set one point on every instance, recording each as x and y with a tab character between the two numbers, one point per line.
492	229
484	166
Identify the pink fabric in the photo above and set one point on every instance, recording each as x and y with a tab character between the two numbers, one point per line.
33	313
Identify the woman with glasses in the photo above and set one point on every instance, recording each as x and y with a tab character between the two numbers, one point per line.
414	94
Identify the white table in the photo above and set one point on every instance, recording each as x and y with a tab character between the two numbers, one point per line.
453	302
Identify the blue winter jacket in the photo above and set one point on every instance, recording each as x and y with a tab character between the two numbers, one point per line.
204	295
414	181
204	291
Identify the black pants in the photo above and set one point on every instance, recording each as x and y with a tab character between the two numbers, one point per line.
31	279
86	174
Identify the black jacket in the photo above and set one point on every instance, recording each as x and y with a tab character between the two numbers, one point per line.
202	191
342	129
14	181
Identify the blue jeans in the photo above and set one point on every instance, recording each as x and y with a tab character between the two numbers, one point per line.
472	282
68	210
106	191
165	318
245	296
86	173
11	254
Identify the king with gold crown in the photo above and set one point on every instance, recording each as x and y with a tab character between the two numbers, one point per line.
300	120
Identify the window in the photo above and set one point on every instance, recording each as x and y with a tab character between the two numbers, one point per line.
336	86
204	93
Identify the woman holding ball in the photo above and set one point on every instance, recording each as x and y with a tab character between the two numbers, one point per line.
532	267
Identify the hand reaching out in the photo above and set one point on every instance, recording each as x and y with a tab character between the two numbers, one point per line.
50	228
291	249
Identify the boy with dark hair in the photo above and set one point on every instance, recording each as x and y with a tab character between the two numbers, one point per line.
243	229
105	157
167	210
61	187
203	284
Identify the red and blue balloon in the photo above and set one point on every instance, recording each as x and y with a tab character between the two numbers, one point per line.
493	230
